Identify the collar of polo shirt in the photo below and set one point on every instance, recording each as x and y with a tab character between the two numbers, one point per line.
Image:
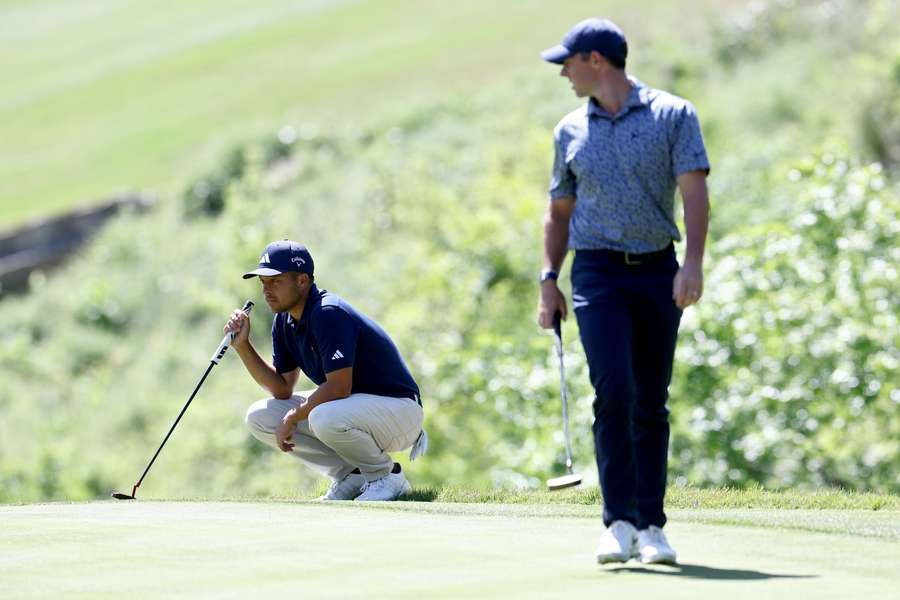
313	294
637	98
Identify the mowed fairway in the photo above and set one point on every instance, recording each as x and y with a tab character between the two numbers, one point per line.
429	550
102	96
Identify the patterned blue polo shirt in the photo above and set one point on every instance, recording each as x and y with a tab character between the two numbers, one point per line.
622	169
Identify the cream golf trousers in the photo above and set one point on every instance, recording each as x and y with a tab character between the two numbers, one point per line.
355	432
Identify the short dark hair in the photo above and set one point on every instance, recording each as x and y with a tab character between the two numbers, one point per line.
617	62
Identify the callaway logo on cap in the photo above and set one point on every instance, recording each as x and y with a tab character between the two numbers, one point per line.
284	256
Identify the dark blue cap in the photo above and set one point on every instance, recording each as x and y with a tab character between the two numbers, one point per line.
283	257
598	34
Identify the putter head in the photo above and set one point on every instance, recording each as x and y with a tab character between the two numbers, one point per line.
121	496
564	481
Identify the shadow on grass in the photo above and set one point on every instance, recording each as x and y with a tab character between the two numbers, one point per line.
702	572
580	496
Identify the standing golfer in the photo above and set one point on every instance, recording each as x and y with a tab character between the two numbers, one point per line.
617	162
366	403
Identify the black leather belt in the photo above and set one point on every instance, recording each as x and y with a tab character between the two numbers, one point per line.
630	258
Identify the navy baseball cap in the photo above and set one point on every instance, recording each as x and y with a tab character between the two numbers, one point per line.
284	256
598	34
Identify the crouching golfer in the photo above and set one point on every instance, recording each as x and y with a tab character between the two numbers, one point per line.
367	403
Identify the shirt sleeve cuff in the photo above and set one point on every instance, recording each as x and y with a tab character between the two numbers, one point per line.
700	166
561	192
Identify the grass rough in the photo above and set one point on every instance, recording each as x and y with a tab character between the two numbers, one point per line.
677	498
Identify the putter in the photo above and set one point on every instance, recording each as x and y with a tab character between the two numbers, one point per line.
570	479
226	342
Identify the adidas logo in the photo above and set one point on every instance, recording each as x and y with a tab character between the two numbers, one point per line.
264	258
337	355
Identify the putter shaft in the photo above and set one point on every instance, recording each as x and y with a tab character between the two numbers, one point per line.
571	478
557	329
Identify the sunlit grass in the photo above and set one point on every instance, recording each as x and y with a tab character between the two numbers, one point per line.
676	498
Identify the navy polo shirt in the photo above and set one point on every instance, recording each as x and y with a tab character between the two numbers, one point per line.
332	335
622	169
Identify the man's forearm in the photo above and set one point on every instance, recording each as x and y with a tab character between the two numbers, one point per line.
263	373
328	391
556	239
695	196
696	225
338	385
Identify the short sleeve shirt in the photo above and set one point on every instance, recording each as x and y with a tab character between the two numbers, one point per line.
621	170
332	335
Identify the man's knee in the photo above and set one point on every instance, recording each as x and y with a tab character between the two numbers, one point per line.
261	418
615	395
326	420
651	413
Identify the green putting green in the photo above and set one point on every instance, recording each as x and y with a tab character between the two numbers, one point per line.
430	550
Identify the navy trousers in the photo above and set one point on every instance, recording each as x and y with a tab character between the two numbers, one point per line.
628	323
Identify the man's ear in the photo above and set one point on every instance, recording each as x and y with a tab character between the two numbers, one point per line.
598	61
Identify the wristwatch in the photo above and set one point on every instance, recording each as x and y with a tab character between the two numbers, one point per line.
549	274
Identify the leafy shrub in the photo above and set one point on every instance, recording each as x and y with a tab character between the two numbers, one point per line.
205	196
785	372
768	24
881	117
752	32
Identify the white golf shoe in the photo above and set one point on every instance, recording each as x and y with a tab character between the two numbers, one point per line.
654	548
389	487
347	488
617	544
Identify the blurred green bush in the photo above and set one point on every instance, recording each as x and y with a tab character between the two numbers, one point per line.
787	371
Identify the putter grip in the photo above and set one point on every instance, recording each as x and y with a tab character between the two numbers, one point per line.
557	324
229	337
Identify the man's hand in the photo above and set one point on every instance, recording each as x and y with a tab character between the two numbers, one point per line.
687	288
239	324
285	431
551	302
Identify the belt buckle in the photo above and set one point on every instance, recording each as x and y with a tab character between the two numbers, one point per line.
629	261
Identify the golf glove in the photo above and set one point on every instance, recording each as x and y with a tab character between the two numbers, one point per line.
420	446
